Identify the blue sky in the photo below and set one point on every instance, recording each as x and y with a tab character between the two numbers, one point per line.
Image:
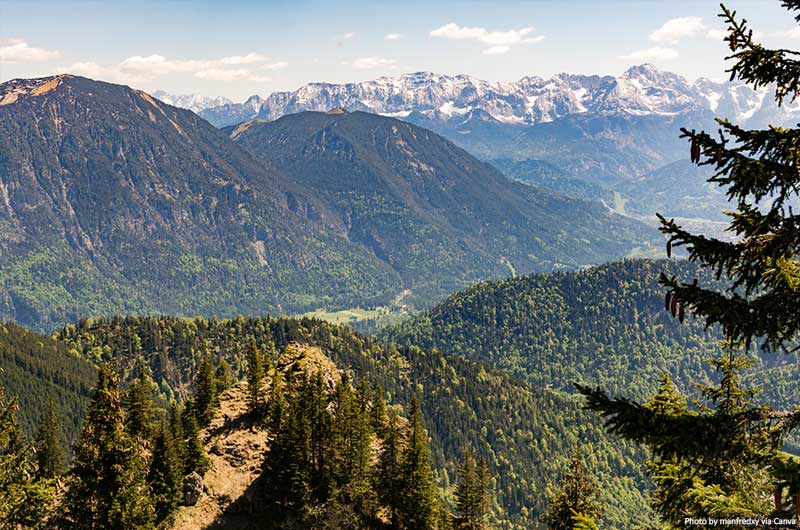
239	48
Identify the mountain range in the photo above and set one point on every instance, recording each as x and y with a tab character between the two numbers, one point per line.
610	133
641	90
353	211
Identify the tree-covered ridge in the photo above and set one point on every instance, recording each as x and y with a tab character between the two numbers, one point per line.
525	434
604	326
37	370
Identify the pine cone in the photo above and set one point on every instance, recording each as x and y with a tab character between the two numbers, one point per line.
695	151
673	307
667	299
681	314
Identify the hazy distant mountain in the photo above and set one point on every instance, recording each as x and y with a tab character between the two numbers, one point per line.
606	129
193	102
641	90
112	201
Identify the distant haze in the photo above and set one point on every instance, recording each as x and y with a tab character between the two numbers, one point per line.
241	48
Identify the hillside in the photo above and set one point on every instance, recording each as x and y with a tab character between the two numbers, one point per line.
38	370
435	214
604	326
113	201
352	212
526	434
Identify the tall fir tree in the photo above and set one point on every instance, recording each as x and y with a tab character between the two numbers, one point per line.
205	398
194	455
725	454
165	475
472	494
389	478
255	376
51	455
575	501
142	413
107	488
419	498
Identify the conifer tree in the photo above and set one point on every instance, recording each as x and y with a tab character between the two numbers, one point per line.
165	474
255	374
50	453
418	494
205	392
195	458
350	449
142	413
277	403
222	376
378	415
721	458
389	469
289	462
575	500
472	494
107	488
25	502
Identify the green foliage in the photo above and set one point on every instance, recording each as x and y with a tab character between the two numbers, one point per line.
51	455
205	399
165	475
757	170
417	506
255	374
25	501
472	494
35	370
521	432
722	458
141	419
603	325
106	486
574	504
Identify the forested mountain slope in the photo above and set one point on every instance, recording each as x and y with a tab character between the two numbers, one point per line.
434	213
604	326
38	370
112	201
526	434
341	210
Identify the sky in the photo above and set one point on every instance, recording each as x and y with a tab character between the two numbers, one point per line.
240	48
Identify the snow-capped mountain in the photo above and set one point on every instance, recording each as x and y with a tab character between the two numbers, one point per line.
194	102
641	90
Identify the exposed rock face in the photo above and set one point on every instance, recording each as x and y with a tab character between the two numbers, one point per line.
641	90
192	489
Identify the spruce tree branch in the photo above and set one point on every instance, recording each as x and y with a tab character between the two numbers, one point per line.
757	65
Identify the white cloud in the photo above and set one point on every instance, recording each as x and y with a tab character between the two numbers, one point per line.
88	69
498	41
18	51
652	54
367	63
347	36
392	36
678	28
222	74
716	34
139	68
496	50
793	33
